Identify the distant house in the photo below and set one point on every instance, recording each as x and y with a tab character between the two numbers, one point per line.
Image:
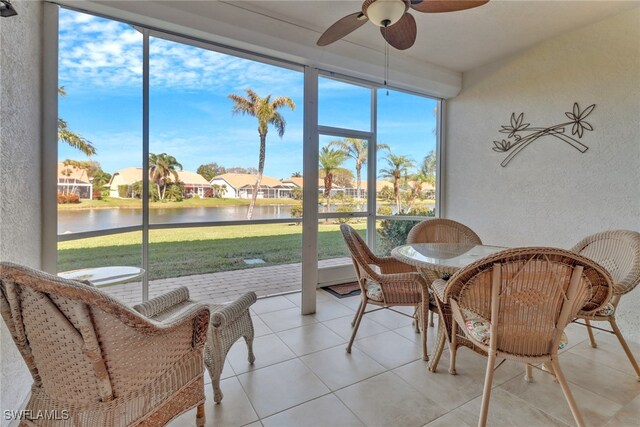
193	183
298	181
240	186
351	191
73	180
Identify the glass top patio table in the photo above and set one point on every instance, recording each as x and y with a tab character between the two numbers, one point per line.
442	257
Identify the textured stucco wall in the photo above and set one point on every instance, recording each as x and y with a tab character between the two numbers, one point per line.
20	136
551	194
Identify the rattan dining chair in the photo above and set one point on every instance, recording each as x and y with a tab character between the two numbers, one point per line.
516	303
395	284
96	362
618	251
441	230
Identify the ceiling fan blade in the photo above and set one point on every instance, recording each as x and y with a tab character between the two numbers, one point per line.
402	34
342	27
439	6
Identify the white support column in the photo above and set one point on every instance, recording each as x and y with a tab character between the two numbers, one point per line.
440	156
310	192
49	159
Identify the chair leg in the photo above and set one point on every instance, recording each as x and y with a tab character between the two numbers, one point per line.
416	319
625	346
200	416
453	348
486	394
592	340
431	318
251	357
423	330
353	322
567	391
528	375
440	342
363	307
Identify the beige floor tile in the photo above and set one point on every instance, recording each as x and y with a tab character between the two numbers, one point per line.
235	410
608	352
388	318
628	416
295	298
259	327
342	327
386	400
352	302
286	319
310	338
337	368
255	424
545	394
390	349
602	380
506	409
450	419
282	386
327	310
451	391
268	349
324	411
267	305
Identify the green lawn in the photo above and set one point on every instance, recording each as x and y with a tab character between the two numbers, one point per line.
186	251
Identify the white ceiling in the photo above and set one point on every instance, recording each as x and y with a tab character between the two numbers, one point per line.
459	41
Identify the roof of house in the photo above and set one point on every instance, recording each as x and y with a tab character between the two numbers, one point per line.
239	180
298	181
130	175
68	172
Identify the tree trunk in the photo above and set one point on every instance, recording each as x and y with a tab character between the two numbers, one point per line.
328	183
254	196
358	184
396	190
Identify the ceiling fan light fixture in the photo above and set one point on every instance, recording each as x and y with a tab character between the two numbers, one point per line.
385	13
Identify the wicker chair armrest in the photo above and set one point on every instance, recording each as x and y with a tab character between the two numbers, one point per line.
439	287
157	305
230	312
197	315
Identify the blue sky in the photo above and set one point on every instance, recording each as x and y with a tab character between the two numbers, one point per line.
100	66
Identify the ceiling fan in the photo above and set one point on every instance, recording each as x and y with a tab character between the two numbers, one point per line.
397	25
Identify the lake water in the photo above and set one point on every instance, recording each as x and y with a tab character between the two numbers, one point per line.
75	221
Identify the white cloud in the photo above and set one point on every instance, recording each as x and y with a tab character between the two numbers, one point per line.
99	54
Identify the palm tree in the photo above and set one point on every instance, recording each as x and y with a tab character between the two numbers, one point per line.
330	160
398	168
265	110
161	168
73	139
296	175
358	150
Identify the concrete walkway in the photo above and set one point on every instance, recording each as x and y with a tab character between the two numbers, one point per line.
224	286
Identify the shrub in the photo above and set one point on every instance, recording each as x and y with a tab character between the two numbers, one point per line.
394	233
208	193
422	211
385	210
296	212
344	208
104	193
68	198
97	195
296	193
195	196
123	191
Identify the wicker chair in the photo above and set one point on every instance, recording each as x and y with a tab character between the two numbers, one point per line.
96	362
229	323
396	284
618	251
515	305
440	230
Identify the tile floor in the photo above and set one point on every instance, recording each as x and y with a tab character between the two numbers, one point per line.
303	377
